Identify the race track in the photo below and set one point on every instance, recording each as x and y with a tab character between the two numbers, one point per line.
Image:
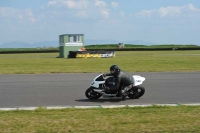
31	90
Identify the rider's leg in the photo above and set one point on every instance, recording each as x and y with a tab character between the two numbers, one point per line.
124	92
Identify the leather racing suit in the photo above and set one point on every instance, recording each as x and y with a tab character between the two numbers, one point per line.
120	79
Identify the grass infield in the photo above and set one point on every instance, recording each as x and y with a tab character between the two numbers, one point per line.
130	61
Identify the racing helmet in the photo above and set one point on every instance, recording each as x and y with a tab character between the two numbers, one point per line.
114	69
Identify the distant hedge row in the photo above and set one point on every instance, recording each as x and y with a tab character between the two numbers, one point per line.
149	49
28	51
102	49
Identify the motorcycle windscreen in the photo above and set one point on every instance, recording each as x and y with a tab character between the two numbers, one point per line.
99	78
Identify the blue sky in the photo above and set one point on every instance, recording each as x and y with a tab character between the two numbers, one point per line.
157	21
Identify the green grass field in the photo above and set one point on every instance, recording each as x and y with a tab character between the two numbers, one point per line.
181	119
130	61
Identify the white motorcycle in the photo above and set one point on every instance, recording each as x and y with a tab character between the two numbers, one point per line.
97	88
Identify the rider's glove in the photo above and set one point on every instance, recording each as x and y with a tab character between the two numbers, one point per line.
104	75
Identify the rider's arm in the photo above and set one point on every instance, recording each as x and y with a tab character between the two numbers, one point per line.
107	74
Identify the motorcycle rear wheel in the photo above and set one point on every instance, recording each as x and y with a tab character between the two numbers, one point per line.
136	92
91	94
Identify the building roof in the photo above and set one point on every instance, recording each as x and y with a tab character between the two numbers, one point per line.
72	35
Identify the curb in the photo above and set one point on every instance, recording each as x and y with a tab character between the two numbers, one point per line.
100	106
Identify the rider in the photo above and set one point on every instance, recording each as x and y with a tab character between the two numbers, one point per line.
121	78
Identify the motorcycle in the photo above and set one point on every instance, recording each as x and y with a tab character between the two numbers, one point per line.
97	88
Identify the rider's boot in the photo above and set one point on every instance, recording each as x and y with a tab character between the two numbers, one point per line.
124	93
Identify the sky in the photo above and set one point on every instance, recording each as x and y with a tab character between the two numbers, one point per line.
155	21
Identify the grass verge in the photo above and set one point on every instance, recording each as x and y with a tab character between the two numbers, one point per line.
183	119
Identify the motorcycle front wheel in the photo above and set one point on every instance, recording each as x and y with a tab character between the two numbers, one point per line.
91	94
136	92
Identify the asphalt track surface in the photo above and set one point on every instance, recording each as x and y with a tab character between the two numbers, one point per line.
32	90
